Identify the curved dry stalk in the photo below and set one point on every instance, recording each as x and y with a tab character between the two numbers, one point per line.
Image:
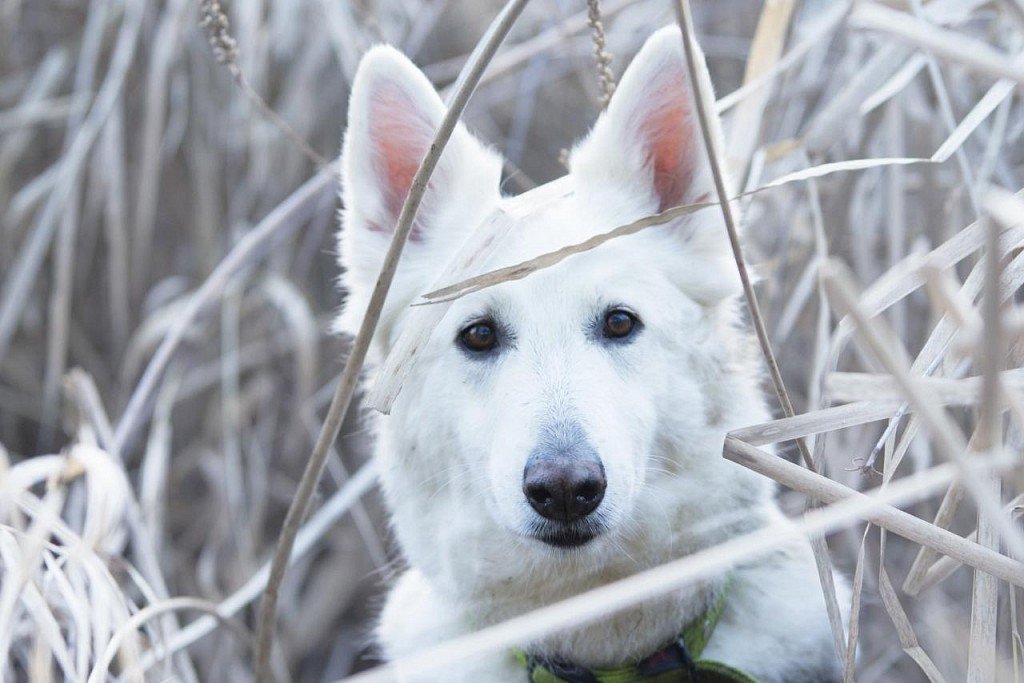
299	507
701	91
286	217
19	281
950	45
99	671
311	533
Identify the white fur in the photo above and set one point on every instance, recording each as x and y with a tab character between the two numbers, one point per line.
453	451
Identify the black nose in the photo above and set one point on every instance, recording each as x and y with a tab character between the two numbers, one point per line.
564	490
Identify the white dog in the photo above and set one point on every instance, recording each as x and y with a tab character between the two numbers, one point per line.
565	430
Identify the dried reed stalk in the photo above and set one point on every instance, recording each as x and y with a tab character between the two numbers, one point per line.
842	90
701	84
891	354
280	222
981	653
892	519
299	506
947	44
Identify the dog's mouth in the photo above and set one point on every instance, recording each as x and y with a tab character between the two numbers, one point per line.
574	535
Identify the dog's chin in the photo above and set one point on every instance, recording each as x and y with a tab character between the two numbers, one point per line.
566	536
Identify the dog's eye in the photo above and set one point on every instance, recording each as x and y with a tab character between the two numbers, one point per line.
619	323
479	337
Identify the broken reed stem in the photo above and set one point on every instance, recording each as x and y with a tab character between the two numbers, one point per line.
891	355
981	652
943	568
603	59
299	507
711	562
548	259
682	8
701	98
904	524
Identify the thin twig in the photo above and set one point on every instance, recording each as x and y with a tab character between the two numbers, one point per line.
828	491
214	20
602	58
703	98
981	653
299	507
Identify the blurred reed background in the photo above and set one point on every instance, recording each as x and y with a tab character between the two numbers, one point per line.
155	187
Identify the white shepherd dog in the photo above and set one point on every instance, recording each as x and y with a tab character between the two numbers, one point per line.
565	430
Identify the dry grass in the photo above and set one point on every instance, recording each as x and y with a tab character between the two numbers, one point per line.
166	286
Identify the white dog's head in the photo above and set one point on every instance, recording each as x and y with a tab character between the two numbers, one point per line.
549	409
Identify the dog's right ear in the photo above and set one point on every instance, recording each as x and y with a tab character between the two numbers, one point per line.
394	113
648	143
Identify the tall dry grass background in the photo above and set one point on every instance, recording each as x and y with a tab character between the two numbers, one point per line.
168	212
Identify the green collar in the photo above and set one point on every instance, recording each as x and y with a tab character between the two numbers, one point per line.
678	662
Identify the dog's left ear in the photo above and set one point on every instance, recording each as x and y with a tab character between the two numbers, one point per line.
394	113
648	142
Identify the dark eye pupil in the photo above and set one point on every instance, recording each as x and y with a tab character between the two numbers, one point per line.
479	337
618	324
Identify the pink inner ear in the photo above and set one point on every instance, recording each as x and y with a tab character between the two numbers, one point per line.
400	136
669	140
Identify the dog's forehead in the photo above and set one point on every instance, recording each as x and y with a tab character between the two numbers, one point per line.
549	218
543	221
